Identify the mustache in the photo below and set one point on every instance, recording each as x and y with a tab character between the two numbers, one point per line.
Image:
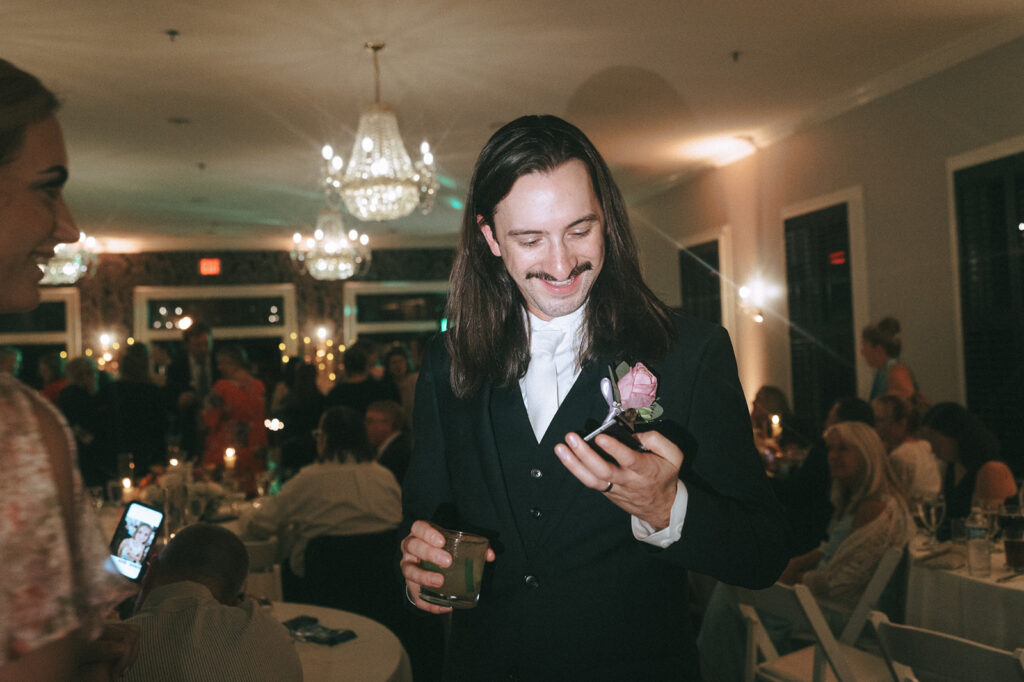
575	272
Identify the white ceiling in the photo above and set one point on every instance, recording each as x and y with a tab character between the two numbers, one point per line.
264	84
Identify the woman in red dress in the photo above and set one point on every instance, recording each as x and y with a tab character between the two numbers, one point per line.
234	416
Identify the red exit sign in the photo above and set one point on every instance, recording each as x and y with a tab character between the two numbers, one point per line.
209	266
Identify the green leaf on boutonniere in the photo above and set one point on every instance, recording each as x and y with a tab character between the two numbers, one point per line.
620	371
650	413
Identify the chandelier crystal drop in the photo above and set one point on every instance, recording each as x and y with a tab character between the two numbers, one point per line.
381	182
70	261
330	253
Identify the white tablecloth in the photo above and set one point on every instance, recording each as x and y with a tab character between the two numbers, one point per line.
979	609
374	655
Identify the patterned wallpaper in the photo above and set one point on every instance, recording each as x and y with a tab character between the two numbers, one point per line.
107	296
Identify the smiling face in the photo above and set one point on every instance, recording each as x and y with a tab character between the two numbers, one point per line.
549	232
33	215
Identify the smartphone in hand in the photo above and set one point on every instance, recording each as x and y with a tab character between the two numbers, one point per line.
133	539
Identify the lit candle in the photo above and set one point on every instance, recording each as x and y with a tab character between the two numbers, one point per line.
174	461
128	494
229	458
776	426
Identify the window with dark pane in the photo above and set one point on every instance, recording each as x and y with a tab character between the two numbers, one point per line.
700	282
821	334
990	240
48	316
218	312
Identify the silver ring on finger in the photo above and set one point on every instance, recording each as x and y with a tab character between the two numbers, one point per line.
608	489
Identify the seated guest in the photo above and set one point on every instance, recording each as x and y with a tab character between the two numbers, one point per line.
805	492
193	622
913	464
385	422
975	474
870	517
345	492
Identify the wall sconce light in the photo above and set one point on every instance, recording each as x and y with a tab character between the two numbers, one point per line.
754	296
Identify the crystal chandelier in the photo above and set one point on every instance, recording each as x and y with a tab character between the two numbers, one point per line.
381	182
331	254
70	261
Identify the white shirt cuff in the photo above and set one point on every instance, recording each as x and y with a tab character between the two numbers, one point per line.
644	532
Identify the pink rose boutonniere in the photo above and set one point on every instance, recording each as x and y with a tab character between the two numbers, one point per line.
634	396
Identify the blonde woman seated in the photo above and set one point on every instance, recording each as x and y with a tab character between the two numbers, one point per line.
870	517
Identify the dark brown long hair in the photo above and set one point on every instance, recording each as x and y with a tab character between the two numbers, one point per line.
487	337
23	101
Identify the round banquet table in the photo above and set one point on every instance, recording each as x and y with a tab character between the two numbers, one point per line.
373	656
942	596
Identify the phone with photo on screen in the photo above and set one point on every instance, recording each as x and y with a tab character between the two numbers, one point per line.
133	539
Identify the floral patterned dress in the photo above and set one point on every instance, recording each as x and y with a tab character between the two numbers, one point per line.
52	578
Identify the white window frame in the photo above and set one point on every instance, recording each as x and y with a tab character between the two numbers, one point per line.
352	328
289	331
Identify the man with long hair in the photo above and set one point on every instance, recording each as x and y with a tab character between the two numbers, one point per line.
590	542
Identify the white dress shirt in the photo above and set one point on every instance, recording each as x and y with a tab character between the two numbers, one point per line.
328	498
568	370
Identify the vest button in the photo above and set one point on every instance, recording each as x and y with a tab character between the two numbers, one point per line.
536	473
531	581
536	513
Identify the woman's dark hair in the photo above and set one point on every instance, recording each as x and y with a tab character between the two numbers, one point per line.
487	336
853	409
885	334
23	101
345	435
135	363
900	409
234	353
302	390
975	443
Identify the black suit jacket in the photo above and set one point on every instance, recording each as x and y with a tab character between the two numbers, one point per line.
572	594
179	380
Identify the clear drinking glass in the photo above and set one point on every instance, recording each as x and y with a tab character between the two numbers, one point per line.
930	512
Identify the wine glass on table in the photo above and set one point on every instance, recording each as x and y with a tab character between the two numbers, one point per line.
930	512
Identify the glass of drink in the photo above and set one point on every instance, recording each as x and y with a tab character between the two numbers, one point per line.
931	512
1013	541
461	588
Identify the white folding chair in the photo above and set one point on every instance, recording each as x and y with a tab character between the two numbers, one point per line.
911	650
264	571
808	663
828	659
